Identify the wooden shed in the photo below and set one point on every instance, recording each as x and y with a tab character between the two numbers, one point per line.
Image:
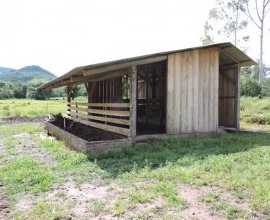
194	90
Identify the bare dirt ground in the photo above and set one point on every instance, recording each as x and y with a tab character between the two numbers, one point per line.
14	120
4	209
94	199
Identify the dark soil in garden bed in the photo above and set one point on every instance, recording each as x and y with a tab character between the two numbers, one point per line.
83	131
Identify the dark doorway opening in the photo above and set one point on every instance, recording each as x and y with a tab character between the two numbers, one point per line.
151	101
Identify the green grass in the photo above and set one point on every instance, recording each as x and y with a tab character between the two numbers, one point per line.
225	160
218	206
71	162
31	108
237	162
25	175
41	211
96	206
14	129
255	110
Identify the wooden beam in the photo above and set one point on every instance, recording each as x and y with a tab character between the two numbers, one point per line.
100	77
114	67
76	78
133	101
109	105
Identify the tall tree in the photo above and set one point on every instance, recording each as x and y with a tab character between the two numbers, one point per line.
228	21
257	15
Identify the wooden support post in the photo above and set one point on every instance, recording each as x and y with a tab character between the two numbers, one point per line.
237	98
89	89
160	94
68	100
133	102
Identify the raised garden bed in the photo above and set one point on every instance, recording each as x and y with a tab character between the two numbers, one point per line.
81	137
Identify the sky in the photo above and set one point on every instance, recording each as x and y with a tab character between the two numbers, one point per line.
59	35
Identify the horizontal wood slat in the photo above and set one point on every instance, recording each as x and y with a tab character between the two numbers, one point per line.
102	112
82	112
109	105
226	97
104	119
114	129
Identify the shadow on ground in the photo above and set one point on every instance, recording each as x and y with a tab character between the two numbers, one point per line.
156	154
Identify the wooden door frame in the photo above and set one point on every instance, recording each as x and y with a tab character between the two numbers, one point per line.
236	95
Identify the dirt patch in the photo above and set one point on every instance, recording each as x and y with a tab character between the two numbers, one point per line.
83	131
29	147
4	209
86	201
196	209
15	120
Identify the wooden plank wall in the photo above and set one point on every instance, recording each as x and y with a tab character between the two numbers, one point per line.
192	91
105	108
106	116
109	90
228	91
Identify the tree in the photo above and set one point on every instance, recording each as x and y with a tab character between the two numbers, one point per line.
19	90
249	86
6	91
33	93
257	15
207	39
228	20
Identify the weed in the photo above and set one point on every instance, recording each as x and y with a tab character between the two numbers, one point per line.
42	210
96	206
120	207
11	142
218	206
29	128
25	174
169	191
6	113
69	161
17	113
140	196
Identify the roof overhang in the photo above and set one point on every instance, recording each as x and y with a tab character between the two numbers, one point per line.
84	74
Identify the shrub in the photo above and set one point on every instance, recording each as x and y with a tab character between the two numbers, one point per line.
249	86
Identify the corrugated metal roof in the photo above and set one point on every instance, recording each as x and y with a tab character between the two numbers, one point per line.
228	54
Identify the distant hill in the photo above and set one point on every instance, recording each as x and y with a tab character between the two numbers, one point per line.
25	74
4	70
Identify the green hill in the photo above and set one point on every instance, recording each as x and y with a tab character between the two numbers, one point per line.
5	70
25	74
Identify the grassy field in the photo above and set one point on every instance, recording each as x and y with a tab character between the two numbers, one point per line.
32	108
228	173
255	110
221	176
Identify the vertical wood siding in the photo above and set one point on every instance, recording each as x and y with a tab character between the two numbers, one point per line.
192	91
